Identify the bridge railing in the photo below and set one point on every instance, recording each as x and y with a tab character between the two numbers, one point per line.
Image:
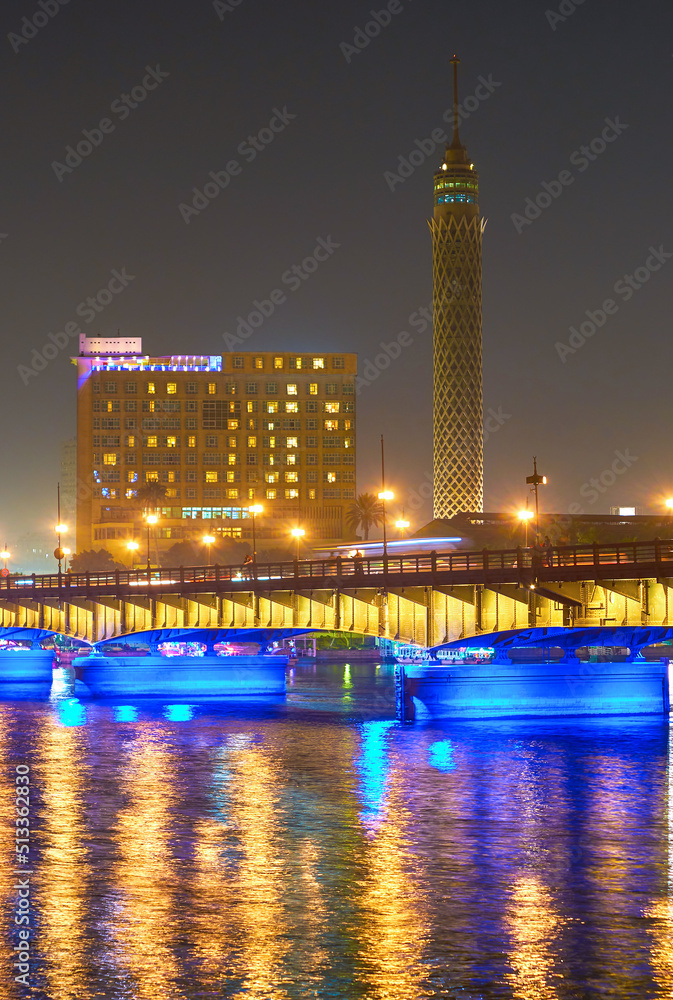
580	557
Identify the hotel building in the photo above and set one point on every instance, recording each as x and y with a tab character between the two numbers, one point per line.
217	434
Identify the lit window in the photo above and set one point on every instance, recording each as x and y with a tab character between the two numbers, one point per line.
349	442
293	442
210	477
291	477
331	407
291	494
291	407
232	442
232	459
258	363
151	388
348	425
331	425
272	442
331	477
313	389
272	407
172	388
109	458
131	477
232	425
311	494
277	363
251	406
318	362
252	441
149	406
232	494
151	477
171	442
212	388
130	494
251	496
131	441
271	477
292	389
231	477
191	441
271	494
291	459
169	477
152	441
295	363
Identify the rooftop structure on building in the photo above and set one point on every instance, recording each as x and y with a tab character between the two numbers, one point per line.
202	438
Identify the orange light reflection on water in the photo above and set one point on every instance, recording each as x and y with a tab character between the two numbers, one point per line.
145	874
62	877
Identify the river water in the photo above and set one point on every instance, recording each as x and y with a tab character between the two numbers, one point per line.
317	848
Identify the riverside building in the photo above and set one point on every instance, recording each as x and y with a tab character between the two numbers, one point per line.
217	434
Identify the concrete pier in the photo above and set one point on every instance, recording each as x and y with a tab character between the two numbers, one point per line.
500	689
26	673
208	676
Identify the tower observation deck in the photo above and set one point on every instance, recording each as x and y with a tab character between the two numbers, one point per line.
457	228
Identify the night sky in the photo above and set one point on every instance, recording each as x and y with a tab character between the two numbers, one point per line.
349	115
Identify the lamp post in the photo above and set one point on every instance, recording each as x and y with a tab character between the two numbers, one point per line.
66	552
208	540
5	556
132	546
402	525
525	516
534	481
150	519
254	510
383	496
298	534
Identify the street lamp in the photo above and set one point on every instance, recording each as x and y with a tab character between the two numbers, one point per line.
66	552
383	496
534	481
5	556
402	526
255	509
298	534
208	540
669	502
59	554
150	519
525	516
132	547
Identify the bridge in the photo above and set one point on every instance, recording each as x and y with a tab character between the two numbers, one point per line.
423	598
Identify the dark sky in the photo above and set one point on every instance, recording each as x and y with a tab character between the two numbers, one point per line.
324	176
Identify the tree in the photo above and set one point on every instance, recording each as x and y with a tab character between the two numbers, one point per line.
90	561
365	512
150	496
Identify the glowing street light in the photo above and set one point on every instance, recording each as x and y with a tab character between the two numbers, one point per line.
133	547
5	555
208	540
298	534
669	502
402	526
254	510
534	481
150	519
525	516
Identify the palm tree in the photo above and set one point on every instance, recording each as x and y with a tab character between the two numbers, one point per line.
365	512
150	496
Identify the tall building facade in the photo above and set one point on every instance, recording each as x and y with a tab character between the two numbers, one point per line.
456	227
215	435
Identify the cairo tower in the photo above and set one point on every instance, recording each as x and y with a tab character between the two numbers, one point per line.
458	475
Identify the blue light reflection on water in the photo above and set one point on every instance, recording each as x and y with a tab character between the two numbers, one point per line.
440	755
538	868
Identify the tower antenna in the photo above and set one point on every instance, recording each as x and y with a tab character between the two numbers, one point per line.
455	144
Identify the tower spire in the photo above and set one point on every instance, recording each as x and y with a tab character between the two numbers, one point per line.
456	143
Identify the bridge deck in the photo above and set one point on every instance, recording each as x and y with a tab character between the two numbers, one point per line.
488	568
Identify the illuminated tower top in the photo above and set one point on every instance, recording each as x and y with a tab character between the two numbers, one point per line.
456	182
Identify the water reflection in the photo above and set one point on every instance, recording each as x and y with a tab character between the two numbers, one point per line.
306	851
